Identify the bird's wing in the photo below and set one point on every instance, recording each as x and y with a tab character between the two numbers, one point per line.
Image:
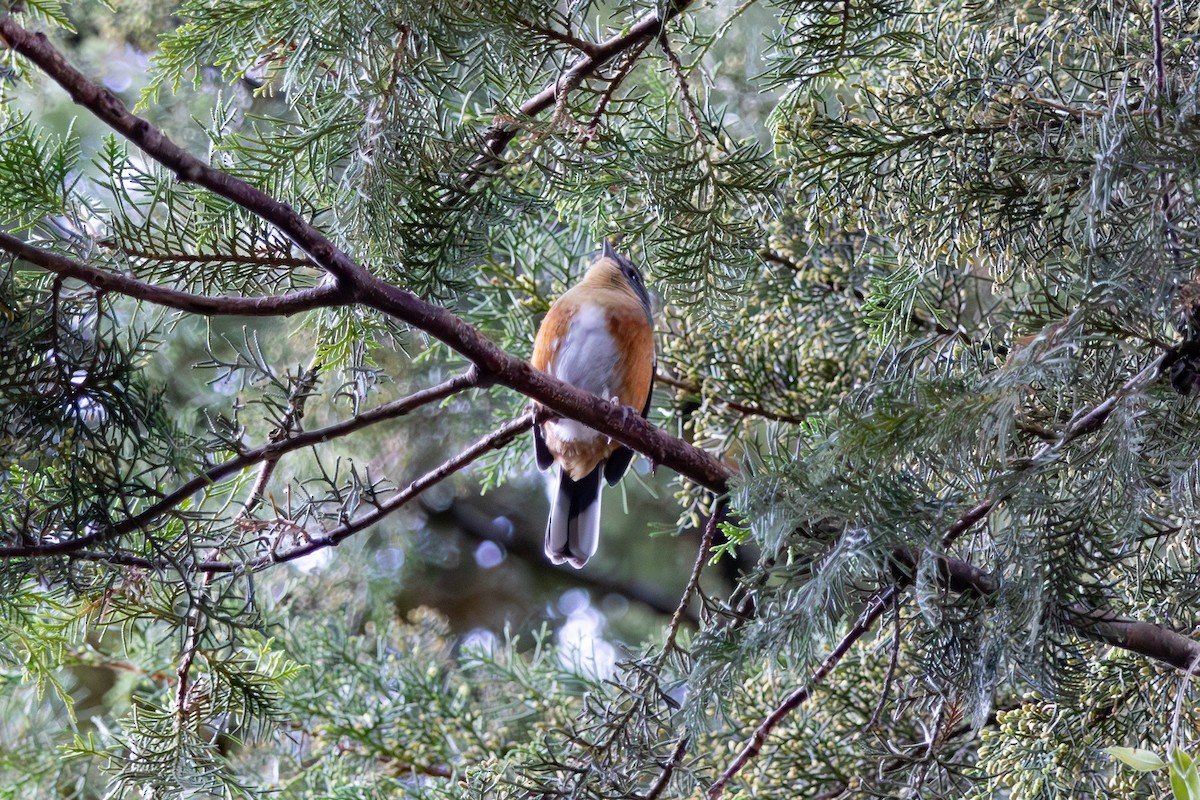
540	451
618	462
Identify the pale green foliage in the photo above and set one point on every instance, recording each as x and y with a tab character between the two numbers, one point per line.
969	228
36	170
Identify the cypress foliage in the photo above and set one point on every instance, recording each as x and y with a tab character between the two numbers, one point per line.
928	288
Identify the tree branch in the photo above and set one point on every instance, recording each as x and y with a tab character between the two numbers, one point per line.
280	305
292	417
498	138
685	93
206	258
1082	424
738	408
493	441
706	542
614	83
876	605
265	453
567	38
1144	638
664	777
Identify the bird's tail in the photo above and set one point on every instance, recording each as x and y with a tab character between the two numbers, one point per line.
574	528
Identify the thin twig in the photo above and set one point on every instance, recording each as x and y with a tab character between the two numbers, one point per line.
191	646
567	38
876	605
1160	96
893	665
498	138
274	450
207	258
614	83
291	419
493	441
668	769
685	93
733	405
702	555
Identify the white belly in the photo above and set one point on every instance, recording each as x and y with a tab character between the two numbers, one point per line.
586	359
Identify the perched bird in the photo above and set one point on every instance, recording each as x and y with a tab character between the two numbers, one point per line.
599	337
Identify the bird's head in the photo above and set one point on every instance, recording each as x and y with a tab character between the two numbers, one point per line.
613	268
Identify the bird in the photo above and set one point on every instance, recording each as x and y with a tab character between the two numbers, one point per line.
598	337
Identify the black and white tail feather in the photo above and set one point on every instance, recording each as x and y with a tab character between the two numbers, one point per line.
573	530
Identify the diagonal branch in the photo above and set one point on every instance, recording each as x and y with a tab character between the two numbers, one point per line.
495	440
279	305
641	32
876	605
264	454
702	556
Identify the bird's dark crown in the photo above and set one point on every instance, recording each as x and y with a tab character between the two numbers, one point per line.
631	273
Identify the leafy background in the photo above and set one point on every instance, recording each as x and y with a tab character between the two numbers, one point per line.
900	251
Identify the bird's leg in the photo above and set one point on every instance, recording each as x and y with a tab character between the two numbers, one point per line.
542	415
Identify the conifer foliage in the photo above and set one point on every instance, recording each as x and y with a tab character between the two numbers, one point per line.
928	351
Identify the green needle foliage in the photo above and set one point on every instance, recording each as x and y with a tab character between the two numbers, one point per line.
926	278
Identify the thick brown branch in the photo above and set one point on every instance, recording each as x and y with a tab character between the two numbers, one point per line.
622	424
1144	638
280	305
